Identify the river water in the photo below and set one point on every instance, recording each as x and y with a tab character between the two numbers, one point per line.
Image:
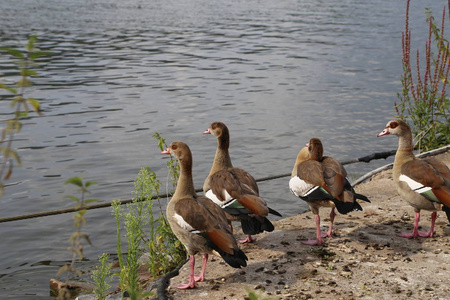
276	72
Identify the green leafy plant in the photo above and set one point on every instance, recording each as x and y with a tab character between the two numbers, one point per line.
78	222
253	295
172	163
20	103
134	220
78	217
117	212
163	250
150	241
424	99
102	277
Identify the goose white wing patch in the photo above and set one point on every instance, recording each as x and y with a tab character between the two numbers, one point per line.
299	187
185	225
417	187
216	200
414	185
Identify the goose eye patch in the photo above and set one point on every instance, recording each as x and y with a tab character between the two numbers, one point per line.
393	125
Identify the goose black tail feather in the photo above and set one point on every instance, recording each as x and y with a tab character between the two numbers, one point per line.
274	212
254	225
447	211
266	225
362	197
236	260
346	207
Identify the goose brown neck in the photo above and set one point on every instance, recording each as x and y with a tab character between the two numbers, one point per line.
302	156
316	152
224	139
404	152
405	141
222	159
185	184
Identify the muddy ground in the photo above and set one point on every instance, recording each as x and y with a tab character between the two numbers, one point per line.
364	260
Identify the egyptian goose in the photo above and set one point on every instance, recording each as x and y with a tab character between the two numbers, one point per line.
197	222
322	181
423	183
235	190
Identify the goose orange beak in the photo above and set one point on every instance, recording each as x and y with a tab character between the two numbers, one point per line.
384	132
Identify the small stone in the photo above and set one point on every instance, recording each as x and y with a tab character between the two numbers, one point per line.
86	297
346	274
284	261
346	268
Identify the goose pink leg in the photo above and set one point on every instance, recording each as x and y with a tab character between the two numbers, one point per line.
249	239
201	277
191	284
416	233
193	279
319	234
319	240
329	233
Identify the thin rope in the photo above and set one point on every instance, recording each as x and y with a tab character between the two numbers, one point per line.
366	159
389	166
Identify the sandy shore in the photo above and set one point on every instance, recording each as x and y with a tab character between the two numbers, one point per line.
365	259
